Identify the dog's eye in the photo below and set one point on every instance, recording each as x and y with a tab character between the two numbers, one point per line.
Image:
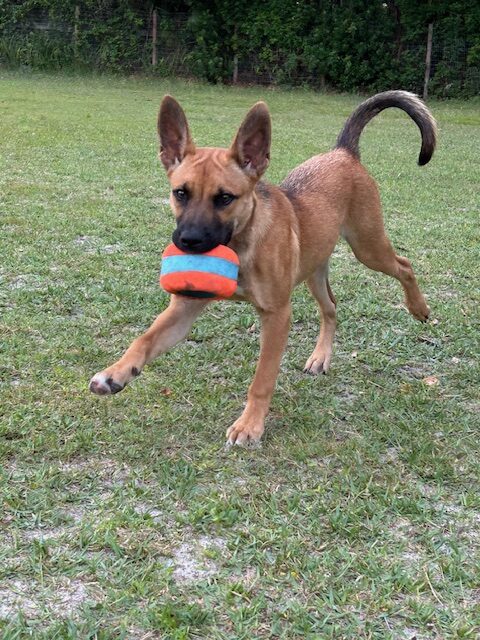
223	199
180	195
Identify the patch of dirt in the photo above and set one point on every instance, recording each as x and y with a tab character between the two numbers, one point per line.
391	455
111	248
77	514
471	598
86	241
109	471
46	533
140	634
11	564
409	633
465	523
396	622
473	406
426	490
15	598
27	281
145	508
191	562
61	598
91	244
410	553
446	293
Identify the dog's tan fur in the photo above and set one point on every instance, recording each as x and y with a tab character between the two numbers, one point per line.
283	236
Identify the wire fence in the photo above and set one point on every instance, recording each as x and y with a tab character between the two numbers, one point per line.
165	44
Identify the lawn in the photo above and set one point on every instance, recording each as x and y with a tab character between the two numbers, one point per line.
125	517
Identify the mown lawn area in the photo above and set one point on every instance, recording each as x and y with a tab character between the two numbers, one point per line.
125	517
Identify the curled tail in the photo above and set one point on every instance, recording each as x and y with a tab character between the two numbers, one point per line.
350	134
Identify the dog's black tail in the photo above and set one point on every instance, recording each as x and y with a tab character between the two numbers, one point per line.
350	134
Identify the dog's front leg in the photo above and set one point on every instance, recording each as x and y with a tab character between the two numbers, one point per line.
274	334
169	328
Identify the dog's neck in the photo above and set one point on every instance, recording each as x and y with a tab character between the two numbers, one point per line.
255	228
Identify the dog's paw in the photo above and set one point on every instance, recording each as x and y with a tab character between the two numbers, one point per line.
245	432
103	385
421	312
112	380
417	307
318	362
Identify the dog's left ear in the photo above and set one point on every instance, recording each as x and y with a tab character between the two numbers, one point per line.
251	147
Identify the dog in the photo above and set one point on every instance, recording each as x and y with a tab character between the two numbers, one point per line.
283	235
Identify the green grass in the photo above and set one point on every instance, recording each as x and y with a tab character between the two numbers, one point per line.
124	517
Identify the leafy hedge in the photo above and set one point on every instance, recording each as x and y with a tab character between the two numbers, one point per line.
363	45
50	34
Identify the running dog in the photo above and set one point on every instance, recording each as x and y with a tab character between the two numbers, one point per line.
283	235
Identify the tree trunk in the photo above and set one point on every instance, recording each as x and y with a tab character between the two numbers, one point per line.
76	21
235	69
154	38
428	61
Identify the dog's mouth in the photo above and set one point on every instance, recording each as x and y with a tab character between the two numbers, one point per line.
195	240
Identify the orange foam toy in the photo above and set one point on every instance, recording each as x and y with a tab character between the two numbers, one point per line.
213	274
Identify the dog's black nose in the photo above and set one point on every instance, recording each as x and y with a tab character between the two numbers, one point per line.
191	240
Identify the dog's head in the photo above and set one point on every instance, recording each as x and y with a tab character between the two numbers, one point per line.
212	189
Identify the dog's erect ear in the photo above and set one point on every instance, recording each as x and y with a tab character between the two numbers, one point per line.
174	134
251	147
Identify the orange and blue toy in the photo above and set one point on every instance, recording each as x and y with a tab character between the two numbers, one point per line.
213	274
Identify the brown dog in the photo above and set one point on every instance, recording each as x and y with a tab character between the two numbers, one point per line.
282	235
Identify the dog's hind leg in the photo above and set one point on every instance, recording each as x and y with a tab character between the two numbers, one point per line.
319	361
365	233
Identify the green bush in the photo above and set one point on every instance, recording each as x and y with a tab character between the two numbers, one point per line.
353	45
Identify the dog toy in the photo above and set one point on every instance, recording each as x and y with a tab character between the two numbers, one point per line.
200	275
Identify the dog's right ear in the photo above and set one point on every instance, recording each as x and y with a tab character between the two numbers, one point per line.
174	134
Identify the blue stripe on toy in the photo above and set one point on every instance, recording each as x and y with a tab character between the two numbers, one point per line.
206	264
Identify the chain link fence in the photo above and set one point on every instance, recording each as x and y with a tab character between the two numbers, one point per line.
165	44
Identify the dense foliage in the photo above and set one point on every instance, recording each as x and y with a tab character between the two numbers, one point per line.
342	44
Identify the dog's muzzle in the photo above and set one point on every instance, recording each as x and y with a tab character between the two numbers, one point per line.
195	239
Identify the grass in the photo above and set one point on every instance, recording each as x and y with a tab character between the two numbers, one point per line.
125	517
